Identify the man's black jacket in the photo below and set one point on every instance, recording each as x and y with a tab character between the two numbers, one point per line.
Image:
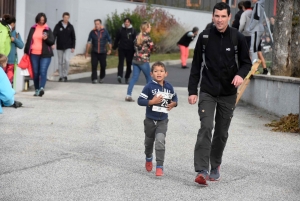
220	67
124	38
65	36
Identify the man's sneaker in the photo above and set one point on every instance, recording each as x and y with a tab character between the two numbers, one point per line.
215	174
101	81
95	81
202	177
126	80
148	164
119	79
65	79
159	171
129	99
265	72
41	92
36	93
60	79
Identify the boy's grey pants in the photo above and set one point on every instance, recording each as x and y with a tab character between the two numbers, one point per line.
155	131
208	149
63	62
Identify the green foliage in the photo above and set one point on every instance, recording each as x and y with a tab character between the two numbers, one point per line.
165	30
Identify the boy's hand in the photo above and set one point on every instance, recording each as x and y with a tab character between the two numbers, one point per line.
171	105
156	100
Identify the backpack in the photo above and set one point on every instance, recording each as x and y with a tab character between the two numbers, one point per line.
234	40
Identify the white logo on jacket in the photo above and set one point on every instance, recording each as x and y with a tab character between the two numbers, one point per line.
228	49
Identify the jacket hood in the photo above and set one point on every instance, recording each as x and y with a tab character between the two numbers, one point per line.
261	2
130	27
60	21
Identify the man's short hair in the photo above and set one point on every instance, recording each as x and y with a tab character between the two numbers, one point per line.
127	18
158	63
98	21
195	29
240	5
39	16
66	14
222	6
247	4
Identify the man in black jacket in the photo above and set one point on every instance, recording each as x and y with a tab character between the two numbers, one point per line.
124	42
219	77
237	17
65	44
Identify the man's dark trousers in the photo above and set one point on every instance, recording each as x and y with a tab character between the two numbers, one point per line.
128	55
207	150
96	57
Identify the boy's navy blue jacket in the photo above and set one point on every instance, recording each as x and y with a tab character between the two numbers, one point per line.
99	39
149	91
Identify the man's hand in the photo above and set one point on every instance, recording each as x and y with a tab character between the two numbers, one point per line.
72	50
108	52
237	81
53	47
86	54
193	99
12	39
156	100
171	105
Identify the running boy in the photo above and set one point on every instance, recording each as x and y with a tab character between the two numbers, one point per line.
159	98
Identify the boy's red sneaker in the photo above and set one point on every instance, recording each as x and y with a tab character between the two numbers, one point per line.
148	164
159	171
202	177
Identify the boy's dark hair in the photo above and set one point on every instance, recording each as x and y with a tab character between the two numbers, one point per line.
127	18
247	4
39	16
66	13
240	5
222	6
98	21
158	63
8	19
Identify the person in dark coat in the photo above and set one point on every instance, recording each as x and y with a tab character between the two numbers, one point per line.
124	42
237	17
64	34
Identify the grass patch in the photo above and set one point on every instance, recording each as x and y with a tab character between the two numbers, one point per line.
288	123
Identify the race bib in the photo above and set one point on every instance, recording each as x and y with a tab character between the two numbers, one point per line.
163	106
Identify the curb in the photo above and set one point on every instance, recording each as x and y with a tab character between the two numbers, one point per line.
110	71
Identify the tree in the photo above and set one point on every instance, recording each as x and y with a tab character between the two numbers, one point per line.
281	59
295	46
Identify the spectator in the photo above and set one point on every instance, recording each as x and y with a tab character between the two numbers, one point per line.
272	23
65	34
261	57
98	38
143	46
38	47
184	43
5	40
245	21
256	26
16	41
124	42
237	17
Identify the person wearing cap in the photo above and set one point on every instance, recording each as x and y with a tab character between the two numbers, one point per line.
184	43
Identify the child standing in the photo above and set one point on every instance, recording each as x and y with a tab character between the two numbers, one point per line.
159	98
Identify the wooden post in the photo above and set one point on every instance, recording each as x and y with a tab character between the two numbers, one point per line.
244	85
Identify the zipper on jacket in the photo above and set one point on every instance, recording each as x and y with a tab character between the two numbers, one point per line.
221	49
